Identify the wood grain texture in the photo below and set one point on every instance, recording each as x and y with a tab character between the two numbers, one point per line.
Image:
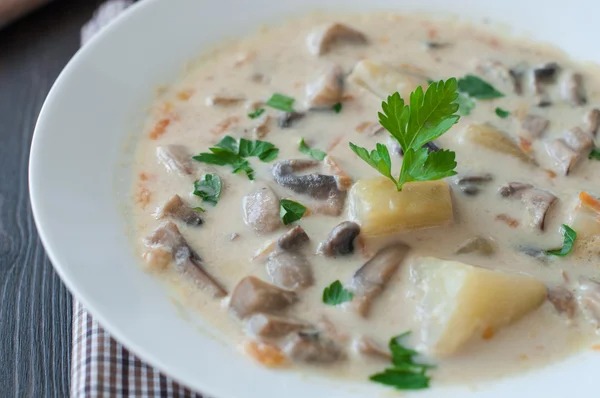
35	307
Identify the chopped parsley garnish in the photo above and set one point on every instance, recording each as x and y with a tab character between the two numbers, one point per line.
569	236
465	104
425	118
503	113
316	154
405	373
337	107
595	154
256	113
198	209
290	211
281	102
478	88
229	152
335	294
208	188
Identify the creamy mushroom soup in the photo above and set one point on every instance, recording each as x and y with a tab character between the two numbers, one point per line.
257	194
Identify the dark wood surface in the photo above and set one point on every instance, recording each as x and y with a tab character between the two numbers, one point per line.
35	307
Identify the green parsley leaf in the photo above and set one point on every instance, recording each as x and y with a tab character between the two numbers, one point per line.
427	117
281	102
316	154
256	113
208	188
222	157
263	150
405	373
465	104
335	294
337	107
477	88
569	236
290	211
198	209
228	143
502	113
595	154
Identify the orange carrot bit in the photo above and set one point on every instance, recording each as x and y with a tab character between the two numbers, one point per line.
347	97
511	222
160	128
524	357
143	176
336	141
432	33
225	124
297	84
494	43
525	145
362	127
589	201
488	333
334	167
550	173
596	347
384	39
142	196
266	354
185	95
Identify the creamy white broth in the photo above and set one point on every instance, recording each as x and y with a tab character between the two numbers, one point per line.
279	54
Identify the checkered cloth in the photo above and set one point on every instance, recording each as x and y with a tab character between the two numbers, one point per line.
101	367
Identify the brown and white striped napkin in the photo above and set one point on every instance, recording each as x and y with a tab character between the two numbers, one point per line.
100	366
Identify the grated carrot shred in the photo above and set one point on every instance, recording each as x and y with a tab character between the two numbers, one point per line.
589	201
160	128
266	354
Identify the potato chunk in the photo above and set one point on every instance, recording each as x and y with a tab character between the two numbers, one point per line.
382	79
460	301
380	209
495	140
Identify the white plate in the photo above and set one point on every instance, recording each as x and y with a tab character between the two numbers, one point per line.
76	155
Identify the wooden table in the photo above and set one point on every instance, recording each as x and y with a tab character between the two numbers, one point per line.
35	307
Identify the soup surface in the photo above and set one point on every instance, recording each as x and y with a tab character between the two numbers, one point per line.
526	165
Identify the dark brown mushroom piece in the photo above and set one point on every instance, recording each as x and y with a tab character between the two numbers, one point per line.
567	151
340	240
435	45
535	125
477	245
224	99
187	262
536	201
563	300
327	89
175	158
286	119
177	209
312	347
471	184
294	239
541	76
571	89
261	210
321	39
370	279
513	189
367	346
591	121
318	186
273	326
253	295
588	297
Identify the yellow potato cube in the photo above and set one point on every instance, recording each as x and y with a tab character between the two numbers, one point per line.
460	302
380	209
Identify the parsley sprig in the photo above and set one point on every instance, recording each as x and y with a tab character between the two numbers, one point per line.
208	188
426	117
569	236
316	154
229	152
290	211
595	154
405	373
335	294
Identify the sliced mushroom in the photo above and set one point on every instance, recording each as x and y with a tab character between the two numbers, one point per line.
262	127
286	119
471	184
588	297
571	89
261	210
273	326
176	208
591	120
574	145
224	100
322	38
317	186
496	70
367	346
340	240
477	245
536	253
514	189
327	89
253	295
435	45
535	125
187	262
563	300
312	347
294	239
546	73
536	201
370	279
289	270
383	79
175	158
